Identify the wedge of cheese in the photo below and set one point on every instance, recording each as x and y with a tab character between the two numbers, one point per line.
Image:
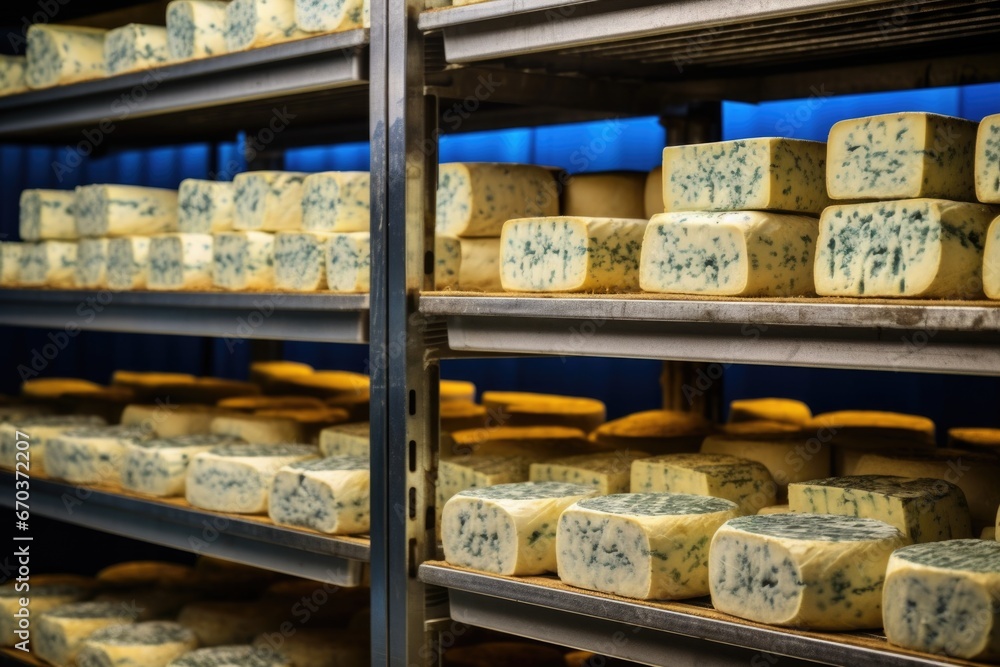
238	478
243	260
330	495
987	162
300	261
251	24
135	47
48	264
348	262
128	262
335	201
124	210
745	482
47	215
467	264
476	199
617	194
203	207
62	54
196	29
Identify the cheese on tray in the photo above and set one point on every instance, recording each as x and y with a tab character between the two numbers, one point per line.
59	632
902	156
150	644
920	248
171	421
942	598
789	457
923	509
180	262
159	467
47	215
456	390
61	54
561	254
330	495
477	471
816	571
348	262
128	262
467	264
476	199
254	23
12	75
243	260
607	473
746	483
47	263
135	47
988	160
655	431
10	262
332	15
615	194
39	429
507	529
238	478
853	433
742	253
650	546
529	409
123	210
769	409
90	455
346	440
267	201
204	207
300	261
196	29
766	174
92	263
232	656
257	429
991	260
41	594
653	196
336	201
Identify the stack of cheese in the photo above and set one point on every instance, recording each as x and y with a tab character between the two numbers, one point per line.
988	192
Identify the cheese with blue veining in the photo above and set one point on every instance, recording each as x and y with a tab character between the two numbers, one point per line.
268	201
243	260
919	248
39	429
180	262
740	253
47	263
606	472
561	254
122	210
92	263
149	644
991	260
159	467
238	478
232	656
812	571
476	199
467	264
12	75
766	174
90	455
332	15
649	546
135	47
348	262
746	483
336	201
254	23
59	633
204	207
196	29
346	440
330	495
902	156
10	262
128	262
988	160
47	215
300	261
61	54
41	594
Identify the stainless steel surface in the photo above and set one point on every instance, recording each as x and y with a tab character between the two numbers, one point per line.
293	552
235	317
640	632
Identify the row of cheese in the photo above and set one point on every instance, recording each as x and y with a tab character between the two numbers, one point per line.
62	54
819	571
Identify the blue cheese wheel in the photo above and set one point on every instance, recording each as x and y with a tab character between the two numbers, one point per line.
919	248
605	472
59	633
196	29
10	262
42	593
61	54
941	598
747	483
267	201
128	262
150	644
743	253
330	495
232	656
346	440
39	429
336	201
650	546
476	199
507	529
135	47
92	263
348	262
243	260
180	262
251	24
48	264
12	75
923	509
902	156
300	261
814	571
766	174
238	478
991	260
91	455
563	254
47	215
988	160
332	15
467	264
123	210
159	467
204	207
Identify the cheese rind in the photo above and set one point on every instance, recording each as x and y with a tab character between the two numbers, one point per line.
336	201
942	598
90	456
746	483
204	207
902	156
530	409
650	546
128	262
619	194
467	264
744	253
47	215
251	24
238	478
232	656
988	160
767	174
348	262
150	644
12	75
267	201
332	15
991	260
123	210
561	254
10	262
196	29
159	467
48	263
300	261
655	431
769	409
330	495
507	529
61	54
180	262
476	199
91	263
243	260
607	473
60	632
135	47
814	571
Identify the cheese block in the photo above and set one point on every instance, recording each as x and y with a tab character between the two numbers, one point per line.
554	440
991	260
257	429
941	598
332	15
300	261
746	483
265	371
50	388
975	473
562	254
243	260
923	509
502	653
330	495
135	47
47	215
456	390
12	75
310	420
518	408
790	457
203	207
816	571
40	594
769	409
348	262
90	456
39	429
765	174
151	644
196	29
346	440
128	262
141	574
91	263
467	264
171	421
251	24
159	467
655	431
124	210
335	201
476	199
743	253
920	248
220	623
462	415
238	478
650	546
322	384
10	262
253	404
653	195
60	632
47	263
507	529
180	262
267	201
852	433
900	156
774	509
615	194
315	647
986	439
987	161
62	54
606	472
477	471
232	656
